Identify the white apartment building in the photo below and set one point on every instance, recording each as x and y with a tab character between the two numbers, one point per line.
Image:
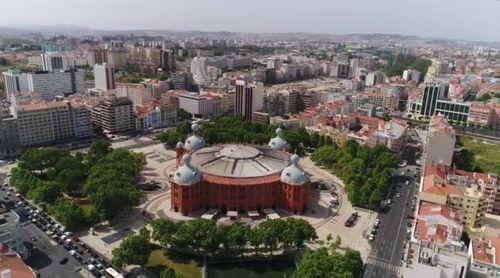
104	76
199	71
50	85
206	105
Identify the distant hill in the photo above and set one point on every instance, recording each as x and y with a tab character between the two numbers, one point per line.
75	30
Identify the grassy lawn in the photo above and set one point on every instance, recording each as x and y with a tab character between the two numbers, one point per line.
486	154
183	265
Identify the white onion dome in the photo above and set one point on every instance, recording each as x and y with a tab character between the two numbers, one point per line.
194	142
293	174
186	174
278	143
179	145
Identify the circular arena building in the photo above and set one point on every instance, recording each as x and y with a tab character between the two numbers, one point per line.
234	177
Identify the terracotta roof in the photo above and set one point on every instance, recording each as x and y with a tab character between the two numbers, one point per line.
435	182
482	252
12	262
44	105
433	232
430	209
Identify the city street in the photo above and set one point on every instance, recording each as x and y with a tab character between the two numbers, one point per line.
388	246
45	253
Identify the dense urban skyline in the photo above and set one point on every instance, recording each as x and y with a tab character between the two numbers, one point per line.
457	19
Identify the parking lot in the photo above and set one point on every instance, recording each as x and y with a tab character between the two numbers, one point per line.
55	251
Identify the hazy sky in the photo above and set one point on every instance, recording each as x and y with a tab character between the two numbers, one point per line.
460	19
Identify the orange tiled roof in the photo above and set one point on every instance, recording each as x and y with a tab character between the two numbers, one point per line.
435	182
483	253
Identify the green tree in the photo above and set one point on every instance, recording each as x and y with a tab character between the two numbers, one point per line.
168	273
111	200
69	214
298	231
70	179
134	250
183	115
99	149
23	180
46	192
164	231
40	159
271	233
169	138
315	264
237	235
199	234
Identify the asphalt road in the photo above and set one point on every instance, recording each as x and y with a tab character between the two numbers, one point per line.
46	253
385	259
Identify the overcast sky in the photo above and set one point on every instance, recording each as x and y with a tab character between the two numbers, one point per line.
459	19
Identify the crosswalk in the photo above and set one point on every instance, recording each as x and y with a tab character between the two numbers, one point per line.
381	263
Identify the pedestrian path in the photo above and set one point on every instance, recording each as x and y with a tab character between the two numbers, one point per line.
381	263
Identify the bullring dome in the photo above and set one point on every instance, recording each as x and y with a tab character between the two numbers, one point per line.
293	174
186	174
194	142
278	142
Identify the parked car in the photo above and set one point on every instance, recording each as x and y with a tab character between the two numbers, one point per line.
64	260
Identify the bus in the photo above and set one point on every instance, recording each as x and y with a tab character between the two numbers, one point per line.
113	273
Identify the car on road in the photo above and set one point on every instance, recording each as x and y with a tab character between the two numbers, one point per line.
371	237
398	195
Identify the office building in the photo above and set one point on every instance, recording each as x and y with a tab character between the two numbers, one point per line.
15	82
249	98
340	71
179	80
167	59
435	99
138	94
115	58
206	104
374	78
439	144
277	103
9	135
114	114
97	56
52	62
104	77
48	85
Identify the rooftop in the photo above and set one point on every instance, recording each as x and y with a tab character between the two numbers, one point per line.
239	161
486	250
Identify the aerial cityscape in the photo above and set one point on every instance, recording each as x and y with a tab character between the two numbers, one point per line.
221	139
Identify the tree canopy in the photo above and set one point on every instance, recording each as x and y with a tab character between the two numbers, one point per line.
134	250
104	176
364	170
320	263
397	64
